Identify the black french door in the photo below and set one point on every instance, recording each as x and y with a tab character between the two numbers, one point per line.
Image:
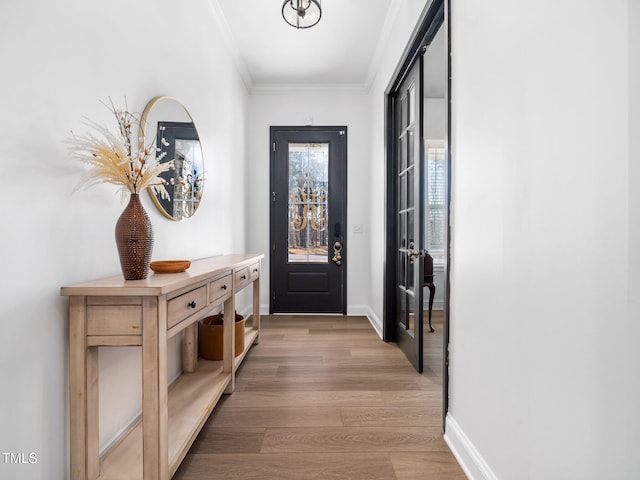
409	206
308	257
415	222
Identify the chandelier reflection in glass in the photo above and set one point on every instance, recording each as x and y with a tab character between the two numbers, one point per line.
301	13
308	199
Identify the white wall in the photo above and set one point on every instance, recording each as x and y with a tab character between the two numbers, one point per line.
58	60
626	344
402	25
324	108
545	350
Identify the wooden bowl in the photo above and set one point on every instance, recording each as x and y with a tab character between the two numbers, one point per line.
170	266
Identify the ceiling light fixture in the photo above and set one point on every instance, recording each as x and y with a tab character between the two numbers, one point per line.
301	13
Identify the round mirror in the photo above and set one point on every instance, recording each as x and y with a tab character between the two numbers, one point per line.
167	126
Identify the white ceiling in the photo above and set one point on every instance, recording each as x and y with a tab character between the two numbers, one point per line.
338	52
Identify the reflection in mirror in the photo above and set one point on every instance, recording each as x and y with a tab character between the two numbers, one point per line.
176	138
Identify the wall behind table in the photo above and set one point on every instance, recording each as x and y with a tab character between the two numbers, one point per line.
59	59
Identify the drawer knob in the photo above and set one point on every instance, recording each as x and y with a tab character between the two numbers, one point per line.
243	277
224	287
255	269
192	304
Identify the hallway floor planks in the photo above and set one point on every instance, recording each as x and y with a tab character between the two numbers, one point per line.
322	397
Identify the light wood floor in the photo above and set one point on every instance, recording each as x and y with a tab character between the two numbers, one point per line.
322	397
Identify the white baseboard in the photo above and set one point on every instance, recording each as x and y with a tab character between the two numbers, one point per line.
366	311
247	311
437	304
120	434
137	418
472	463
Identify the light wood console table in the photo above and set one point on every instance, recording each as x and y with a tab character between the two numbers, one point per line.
146	313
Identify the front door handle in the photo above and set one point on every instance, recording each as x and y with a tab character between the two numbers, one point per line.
337	253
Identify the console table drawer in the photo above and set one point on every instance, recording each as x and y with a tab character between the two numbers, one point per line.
254	271
245	275
241	278
220	288
186	304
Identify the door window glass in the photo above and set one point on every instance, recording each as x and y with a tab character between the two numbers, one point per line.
308	196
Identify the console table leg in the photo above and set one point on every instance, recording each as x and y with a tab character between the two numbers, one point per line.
83	395
228	341
93	415
256	310
155	417
190	348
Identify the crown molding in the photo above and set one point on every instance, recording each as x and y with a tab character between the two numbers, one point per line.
281	88
231	43
383	41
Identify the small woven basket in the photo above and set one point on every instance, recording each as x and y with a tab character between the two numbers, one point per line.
211	336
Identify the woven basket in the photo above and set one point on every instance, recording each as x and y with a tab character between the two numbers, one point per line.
211	336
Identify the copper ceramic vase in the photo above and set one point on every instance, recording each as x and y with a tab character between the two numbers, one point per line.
134	238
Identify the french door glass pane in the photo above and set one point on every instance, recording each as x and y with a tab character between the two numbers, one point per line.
411	106
402	268
409	201
402	230
404	311
402	152
411	310
407	309
412	246
404	112
308	195
410	147
402	180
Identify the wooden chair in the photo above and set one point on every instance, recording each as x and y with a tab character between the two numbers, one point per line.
428	282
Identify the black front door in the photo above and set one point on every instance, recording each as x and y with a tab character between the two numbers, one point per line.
308	257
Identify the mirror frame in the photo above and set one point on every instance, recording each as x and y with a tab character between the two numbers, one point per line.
144	138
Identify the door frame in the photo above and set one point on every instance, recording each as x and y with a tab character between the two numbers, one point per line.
343	131
423	30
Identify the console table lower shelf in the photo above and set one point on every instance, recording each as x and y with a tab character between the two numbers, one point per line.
191	400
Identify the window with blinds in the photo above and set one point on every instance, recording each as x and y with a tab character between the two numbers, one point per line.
436	224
